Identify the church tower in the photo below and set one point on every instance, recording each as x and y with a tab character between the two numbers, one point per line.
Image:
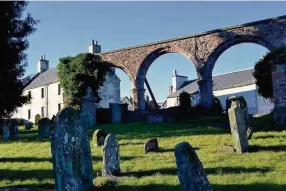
43	64
94	48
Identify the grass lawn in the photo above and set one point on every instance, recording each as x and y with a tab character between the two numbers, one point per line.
27	162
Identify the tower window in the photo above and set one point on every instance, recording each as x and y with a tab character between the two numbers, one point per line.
29	114
59	89
59	107
42	93
43	111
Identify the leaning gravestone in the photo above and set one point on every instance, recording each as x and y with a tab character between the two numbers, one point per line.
151	146
44	130
115	112
110	153
70	146
238	127
98	137
37	119
190	169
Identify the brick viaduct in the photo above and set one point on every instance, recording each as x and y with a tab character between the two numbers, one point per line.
202	49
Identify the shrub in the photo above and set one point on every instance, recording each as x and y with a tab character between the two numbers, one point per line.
184	104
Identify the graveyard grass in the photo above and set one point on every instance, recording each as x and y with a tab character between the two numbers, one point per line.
27	162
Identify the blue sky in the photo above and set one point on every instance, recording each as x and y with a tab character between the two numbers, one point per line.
66	28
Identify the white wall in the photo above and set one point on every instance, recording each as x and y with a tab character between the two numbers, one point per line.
264	106
178	81
171	102
126	101
37	102
110	91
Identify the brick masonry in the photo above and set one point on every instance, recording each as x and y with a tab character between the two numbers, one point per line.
202	49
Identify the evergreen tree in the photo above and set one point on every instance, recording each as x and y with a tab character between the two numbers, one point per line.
14	31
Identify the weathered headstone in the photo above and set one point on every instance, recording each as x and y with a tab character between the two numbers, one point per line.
151	146
249	133
6	132
115	112
88	104
70	146
110	153
13	127
190	169
98	137
37	119
238	127
89	119
28	126
44	130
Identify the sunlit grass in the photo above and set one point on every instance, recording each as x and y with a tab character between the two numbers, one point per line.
27	162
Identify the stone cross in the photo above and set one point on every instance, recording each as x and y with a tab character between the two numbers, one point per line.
44	130
110	153
190	169
98	138
115	112
70	146
238	127
88	104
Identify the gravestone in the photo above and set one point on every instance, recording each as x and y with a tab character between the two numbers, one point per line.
238	127
190	169
89	119
249	133
6	132
151	146
70	147
37	119
115	113
98	138
13	128
87	104
44	130
110	153
28	126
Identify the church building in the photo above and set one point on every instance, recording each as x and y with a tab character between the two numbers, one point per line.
47	94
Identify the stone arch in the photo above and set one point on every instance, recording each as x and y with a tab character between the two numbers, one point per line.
151	57
147	62
235	40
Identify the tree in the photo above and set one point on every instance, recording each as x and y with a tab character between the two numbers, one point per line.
262	71
14	31
79	72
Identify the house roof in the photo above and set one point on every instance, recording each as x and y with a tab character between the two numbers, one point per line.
48	77
220	82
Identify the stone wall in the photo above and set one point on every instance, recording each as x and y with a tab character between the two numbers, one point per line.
279	92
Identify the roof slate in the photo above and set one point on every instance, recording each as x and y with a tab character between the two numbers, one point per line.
48	77
220	82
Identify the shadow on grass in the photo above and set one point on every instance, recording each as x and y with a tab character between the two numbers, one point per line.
126	144
25	159
268	137
139	174
39	174
122	158
275	148
216	187
236	170
42	187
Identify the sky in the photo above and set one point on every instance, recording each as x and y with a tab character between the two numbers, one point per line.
66	29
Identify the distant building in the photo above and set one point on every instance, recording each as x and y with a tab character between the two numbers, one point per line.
240	83
47	93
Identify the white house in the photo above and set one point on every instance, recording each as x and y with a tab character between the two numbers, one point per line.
47	94
239	83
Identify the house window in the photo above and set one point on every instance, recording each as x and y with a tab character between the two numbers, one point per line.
42	93
59	89
29	114
29	94
43	111
59	106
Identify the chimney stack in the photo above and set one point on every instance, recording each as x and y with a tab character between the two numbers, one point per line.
170	89
43	64
147	99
